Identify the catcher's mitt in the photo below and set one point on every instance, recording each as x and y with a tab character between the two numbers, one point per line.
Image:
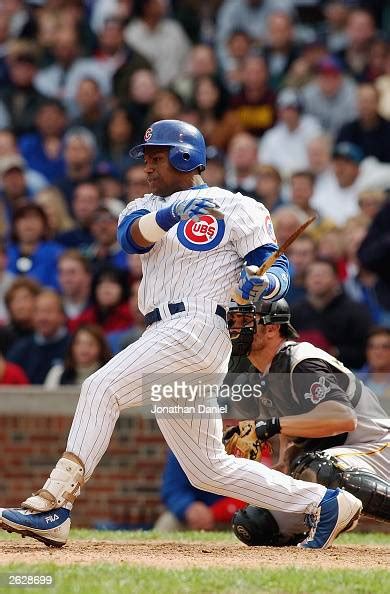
241	441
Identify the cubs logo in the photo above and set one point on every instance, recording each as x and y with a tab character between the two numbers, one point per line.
148	134
201	235
270	229
317	391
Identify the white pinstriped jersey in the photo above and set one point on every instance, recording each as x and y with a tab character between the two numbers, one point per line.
201	259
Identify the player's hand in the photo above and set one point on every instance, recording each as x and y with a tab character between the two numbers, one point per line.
250	286
194	208
199	516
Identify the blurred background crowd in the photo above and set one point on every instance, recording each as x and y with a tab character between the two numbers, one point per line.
293	98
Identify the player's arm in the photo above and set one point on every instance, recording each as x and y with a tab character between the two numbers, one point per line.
255	241
139	230
323	407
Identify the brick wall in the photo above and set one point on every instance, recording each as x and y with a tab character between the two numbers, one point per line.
124	489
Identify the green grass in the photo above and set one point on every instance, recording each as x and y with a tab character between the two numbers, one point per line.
118	579
372	538
103	578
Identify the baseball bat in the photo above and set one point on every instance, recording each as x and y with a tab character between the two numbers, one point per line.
273	257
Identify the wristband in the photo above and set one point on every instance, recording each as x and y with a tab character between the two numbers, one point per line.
267	429
273	287
166	218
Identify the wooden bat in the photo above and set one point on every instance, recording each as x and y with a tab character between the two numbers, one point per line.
273	257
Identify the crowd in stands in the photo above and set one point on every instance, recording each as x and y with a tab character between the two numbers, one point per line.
293	100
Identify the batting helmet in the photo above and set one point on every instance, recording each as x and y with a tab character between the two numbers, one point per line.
242	322
187	148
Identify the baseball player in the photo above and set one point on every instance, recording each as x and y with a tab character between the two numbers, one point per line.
332	428
196	243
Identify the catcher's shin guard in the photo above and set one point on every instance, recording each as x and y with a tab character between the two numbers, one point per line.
256	527
373	491
61	488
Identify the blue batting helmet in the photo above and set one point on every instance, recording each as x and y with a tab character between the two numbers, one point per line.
187	148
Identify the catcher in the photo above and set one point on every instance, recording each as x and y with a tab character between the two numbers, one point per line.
332	429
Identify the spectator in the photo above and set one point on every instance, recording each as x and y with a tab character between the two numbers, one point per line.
5	120
201	62
110	306
87	351
214	175
108	181
113	53
301	254
382	83
302	189
20	97
14	192
188	507
141	91
10	373
85	200
79	152
30	252
374	255
329	319
90	108
54	206
61	79
336	14
319	152
269	187
138	327
249	16
376	373
285	145
167	105
286	220
74	280
330	97
370	202
237	48
241	163
159	39
48	345
339	200
280	49
331	247
135	182
370	131
6	280
43	149
360	33
254	104
359	284
20	303
9	148
105	249
118	135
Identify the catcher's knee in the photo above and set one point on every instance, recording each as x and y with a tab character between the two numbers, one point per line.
372	490
256	526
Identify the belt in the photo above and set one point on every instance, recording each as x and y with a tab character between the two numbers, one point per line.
155	316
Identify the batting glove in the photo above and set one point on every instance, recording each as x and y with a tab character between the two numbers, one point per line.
252	287
190	208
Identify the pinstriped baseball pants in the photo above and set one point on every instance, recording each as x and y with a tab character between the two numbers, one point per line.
180	345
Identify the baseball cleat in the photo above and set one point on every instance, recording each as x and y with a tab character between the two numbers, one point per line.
339	511
51	528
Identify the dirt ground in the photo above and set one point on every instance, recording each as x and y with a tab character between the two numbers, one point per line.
173	555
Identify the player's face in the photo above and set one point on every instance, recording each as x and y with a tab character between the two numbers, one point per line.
163	179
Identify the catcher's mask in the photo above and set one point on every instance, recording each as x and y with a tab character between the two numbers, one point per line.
243	321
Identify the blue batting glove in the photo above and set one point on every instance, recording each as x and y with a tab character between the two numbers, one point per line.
250	286
182	210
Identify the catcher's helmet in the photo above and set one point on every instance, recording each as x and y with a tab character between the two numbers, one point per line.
187	146
243	320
